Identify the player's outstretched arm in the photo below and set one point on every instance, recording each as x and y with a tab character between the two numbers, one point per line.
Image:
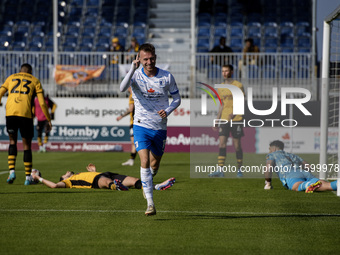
2	93
126	81
268	174
44	108
174	104
49	183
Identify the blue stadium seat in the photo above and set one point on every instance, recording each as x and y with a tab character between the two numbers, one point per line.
304	42
90	21
301	27
121	31
18	46
87	41
69	48
254	30
138	32
105	30
34	48
270	30
303	50
203	42
287	49
92	12
236	31
220	31
101	48
71	40
77	2
89	31
23	28
287	40
270	42
236	42
73	30
93	3
270	49
203	31
85	48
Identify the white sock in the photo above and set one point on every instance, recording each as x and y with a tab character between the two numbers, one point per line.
146	179
11	171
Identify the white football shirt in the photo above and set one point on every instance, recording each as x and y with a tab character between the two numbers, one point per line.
151	95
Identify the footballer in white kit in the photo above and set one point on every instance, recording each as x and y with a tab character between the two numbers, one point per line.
151	87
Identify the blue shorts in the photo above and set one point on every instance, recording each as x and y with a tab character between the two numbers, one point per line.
299	176
153	140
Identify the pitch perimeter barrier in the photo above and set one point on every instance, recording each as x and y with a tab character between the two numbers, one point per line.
261	71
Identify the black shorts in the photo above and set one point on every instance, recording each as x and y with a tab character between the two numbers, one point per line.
109	175
25	125
42	126
236	130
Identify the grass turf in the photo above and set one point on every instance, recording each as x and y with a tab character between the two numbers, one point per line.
195	216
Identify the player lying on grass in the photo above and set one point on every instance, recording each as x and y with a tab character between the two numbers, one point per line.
292	171
97	180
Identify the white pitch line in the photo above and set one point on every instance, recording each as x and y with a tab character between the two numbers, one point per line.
4	172
179	212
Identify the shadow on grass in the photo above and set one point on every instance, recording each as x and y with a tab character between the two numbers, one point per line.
228	217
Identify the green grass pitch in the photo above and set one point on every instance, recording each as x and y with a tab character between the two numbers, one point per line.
195	216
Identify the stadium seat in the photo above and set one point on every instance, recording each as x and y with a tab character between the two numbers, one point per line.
287	40
302	27
121	32
253	30
203	31
270	42
287	49
270	49
236	42
77	2
85	48
236	31
71	40
94	3
304	42
220	31
90	21
203	42
89	31
138	32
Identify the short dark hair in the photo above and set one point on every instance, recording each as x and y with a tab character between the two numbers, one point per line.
231	67
148	47
277	143
250	40
61	178
26	66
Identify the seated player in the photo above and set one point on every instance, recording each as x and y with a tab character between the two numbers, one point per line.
96	180
292	171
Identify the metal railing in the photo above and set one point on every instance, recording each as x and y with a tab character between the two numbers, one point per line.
261	71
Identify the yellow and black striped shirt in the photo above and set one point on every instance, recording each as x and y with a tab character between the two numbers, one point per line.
22	89
82	180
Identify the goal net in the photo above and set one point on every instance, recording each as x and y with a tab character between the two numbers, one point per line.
330	128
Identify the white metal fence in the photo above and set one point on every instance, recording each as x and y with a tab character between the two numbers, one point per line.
262	71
